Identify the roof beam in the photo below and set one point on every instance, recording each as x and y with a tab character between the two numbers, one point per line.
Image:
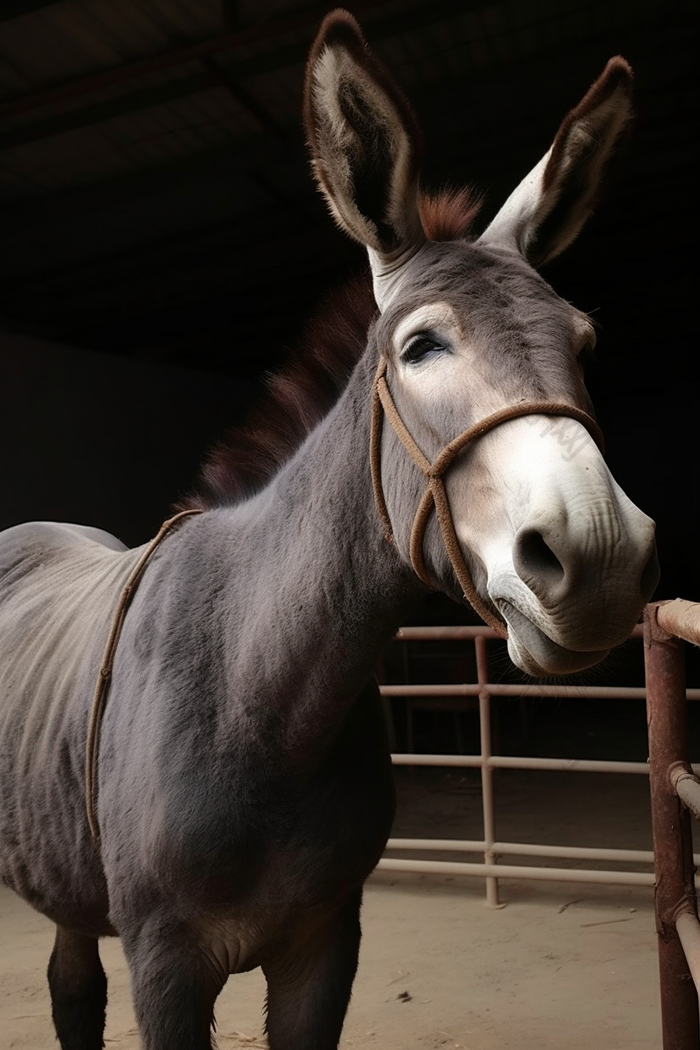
114	107
385	24
243	97
258	33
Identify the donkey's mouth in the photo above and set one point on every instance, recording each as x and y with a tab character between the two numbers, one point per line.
536	654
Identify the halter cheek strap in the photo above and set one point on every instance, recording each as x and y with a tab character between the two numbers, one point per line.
435	495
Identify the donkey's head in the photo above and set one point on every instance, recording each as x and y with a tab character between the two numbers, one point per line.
521	514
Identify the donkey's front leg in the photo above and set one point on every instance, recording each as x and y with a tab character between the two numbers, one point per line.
175	982
309	982
78	989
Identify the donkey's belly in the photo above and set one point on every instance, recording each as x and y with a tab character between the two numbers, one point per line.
58	588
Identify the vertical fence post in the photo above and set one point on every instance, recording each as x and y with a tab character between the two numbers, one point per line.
482	668
673	851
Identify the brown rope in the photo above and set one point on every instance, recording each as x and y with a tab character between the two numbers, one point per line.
435	495
92	748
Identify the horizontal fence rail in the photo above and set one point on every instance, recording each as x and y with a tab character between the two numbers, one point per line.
490	848
675	794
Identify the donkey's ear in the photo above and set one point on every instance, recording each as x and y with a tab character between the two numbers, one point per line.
546	211
365	143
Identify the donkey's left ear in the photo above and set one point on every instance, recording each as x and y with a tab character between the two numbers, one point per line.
546	211
365	145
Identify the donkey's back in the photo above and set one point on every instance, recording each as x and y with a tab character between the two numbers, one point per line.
59	585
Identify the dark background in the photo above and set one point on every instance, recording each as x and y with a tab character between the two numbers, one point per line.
163	243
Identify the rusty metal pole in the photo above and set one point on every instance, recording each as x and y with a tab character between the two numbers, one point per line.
673	851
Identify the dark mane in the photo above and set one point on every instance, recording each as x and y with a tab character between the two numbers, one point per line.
299	397
297	400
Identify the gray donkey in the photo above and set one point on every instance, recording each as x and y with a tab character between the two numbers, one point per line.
237	788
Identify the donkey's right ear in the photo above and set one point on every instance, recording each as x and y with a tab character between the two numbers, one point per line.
546	211
365	144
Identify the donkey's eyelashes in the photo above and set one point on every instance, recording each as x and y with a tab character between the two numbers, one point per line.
423	345
586	354
584	337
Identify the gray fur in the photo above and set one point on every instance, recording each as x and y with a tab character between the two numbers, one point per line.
242	730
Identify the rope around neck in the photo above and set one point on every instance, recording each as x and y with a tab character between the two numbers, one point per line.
104	675
435	495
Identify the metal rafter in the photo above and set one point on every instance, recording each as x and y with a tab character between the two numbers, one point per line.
383	25
255	34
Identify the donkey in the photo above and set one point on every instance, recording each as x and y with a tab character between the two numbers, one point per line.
237	790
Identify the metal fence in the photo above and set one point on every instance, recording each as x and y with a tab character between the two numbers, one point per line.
675	794
491	848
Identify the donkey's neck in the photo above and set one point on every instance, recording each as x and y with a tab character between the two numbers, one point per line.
325	590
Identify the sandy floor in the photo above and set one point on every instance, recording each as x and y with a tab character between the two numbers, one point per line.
563	967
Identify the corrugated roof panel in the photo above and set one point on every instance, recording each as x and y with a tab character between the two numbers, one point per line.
217	104
9	177
209	113
83	41
143	135
279	93
12	80
97	159
153	135
32	50
252	11
91	96
164	118
186	138
142	150
69	40
213	107
202	16
125	23
440	59
61	161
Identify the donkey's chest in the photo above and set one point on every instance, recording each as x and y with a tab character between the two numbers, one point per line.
257	835
274	881
288	843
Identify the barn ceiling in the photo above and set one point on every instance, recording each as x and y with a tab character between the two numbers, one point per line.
155	199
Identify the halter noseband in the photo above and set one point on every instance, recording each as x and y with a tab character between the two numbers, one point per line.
435	494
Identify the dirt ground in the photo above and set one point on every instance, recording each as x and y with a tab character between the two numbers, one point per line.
564	966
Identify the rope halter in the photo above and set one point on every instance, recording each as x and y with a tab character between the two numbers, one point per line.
435	495
104	675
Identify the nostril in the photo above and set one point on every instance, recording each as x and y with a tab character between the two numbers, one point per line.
650	576
535	561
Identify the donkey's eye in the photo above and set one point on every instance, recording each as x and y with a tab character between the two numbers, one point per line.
421	346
